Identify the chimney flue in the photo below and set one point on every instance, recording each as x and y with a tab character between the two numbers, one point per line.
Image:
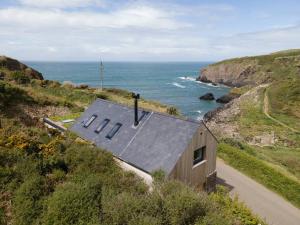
136	97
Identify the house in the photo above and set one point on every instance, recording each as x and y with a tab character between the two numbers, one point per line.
149	141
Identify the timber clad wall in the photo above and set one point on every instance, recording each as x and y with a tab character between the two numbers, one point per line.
196	175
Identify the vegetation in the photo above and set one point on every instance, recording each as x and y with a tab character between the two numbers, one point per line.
55	179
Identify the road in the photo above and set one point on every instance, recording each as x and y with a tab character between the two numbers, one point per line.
263	202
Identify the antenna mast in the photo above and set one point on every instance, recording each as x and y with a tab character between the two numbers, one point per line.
101	74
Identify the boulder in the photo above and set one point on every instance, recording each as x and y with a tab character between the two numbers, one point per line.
208	97
227	98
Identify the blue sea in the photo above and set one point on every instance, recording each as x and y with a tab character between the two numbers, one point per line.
171	83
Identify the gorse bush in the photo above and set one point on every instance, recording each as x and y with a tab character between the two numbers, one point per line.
75	203
27	202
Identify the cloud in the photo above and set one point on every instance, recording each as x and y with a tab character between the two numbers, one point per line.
136	30
133	16
61	3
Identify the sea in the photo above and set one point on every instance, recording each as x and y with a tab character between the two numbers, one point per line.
172	83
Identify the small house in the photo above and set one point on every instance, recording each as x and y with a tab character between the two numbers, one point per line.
149	141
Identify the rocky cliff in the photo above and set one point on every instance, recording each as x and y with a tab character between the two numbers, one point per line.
10	65
265	85
235	74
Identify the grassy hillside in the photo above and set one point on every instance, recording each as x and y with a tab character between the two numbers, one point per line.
49	178
267	118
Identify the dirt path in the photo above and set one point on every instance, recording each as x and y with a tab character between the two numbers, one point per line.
263	202
266	112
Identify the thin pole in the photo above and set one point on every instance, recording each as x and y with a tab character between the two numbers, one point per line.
101	75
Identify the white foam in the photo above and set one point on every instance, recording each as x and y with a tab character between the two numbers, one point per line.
178	85
208	84
188	78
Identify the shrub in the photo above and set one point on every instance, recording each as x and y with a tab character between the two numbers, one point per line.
172	111
102	96
159	176
27	203
20	77
2	217
214	218
182	205
75	203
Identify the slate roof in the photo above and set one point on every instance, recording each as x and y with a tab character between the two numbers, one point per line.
156	143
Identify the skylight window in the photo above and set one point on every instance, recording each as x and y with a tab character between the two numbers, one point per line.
102	125
89	122
113	131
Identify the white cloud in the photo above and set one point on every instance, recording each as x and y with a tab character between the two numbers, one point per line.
61	3
133	16
48	30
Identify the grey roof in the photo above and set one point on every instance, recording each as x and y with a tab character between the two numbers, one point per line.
156	143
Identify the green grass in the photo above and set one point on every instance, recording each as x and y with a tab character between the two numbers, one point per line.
258	170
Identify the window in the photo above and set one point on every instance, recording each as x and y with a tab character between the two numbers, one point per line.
199	155
89	122
102	125
113	131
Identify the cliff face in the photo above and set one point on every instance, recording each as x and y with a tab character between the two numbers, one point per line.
267	85
234	74
14	65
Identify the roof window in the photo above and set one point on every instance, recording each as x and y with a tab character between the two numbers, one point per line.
102	125
113	131
89	122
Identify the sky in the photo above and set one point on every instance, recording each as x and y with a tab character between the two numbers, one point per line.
134	30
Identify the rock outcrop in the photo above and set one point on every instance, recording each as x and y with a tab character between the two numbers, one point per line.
208	96
235	74
14	65
227	98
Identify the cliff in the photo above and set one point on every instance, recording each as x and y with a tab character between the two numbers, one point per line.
8	65
249	71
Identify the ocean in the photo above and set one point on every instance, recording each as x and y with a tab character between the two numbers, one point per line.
171	83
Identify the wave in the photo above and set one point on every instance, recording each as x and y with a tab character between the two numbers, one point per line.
188	78
178	85
200	116
208	84
193	79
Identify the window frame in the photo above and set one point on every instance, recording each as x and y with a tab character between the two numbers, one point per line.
102	125
90	121
113	131
197	160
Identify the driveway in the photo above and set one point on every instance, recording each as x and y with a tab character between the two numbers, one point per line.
263	202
